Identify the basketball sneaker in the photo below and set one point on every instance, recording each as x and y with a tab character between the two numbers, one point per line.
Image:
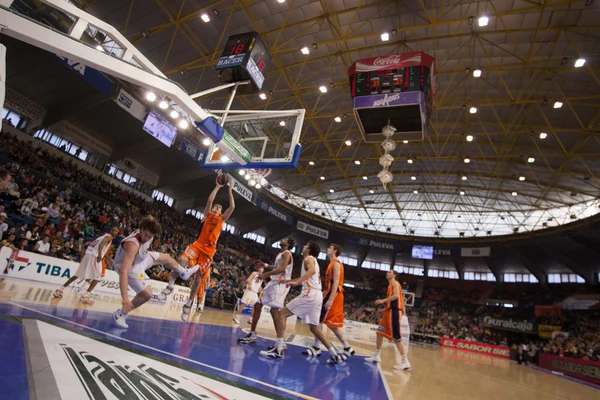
164	295
273	352
200	308
119	319
333	360
86	299
312	351
347	353
404	365
375	358
236	319
248	339
189	272
58	293
186	312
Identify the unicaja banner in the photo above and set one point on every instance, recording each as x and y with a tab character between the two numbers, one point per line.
2	77
313	230
482	348
523	326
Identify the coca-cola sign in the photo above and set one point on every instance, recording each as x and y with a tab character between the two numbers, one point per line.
388	60
391	61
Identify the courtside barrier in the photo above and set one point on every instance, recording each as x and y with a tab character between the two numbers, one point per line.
575	367
39	268
482	348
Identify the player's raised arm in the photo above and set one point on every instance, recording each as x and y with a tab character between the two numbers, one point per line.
231	207
211	198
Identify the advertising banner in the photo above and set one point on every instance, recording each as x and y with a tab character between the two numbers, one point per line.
482	348
135	169
575	367
130	104
2	77
69	131
545	331
25	107
509	324
266	206
241	189
548	311
562	336
375	243
40	268
313	230
475	252
192	150
97	79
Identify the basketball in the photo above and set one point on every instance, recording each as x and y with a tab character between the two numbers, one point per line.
222	179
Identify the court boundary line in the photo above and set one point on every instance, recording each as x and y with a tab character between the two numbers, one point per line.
287	391
385	382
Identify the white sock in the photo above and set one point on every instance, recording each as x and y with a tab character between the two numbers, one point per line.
317	343
377	352
332	351
121	313
193	270
172	281
189	302
279	343
345	344
252	333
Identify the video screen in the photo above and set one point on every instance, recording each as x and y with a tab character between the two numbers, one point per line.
422	252
160	128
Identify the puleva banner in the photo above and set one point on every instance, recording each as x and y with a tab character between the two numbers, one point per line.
482	348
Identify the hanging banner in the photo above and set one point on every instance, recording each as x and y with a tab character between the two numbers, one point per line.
546	331
269	209
25	107
475	252
2	77
192	150
69	131
313	230
375	243
97	79
135	169
130	104
241	189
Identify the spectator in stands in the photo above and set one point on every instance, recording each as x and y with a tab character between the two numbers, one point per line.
52	211
21	232
3	225
9	241
33	235
29	206
43	246
5	179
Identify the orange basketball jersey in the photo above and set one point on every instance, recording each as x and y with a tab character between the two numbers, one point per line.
396	303
329	276
211	230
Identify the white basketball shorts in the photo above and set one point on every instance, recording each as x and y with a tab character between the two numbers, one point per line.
274	294
308	306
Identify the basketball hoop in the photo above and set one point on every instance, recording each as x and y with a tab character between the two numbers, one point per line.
256	177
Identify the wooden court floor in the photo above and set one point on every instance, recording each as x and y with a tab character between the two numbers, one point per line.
437	373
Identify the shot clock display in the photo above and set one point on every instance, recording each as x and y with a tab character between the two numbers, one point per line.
244	57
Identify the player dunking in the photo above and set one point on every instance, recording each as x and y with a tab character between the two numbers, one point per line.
274	293
307	306
201	252
332	313
389	326
250	296
90	266
131	262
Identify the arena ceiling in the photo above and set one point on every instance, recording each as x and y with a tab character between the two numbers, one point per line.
527	56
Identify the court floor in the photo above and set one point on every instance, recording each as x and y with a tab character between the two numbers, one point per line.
54	349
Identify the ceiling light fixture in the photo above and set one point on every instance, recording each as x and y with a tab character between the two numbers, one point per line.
462	193
580	62
150	96
305	50
311	163
415	191
413	178
473	110
163	105
558	104
322	178
464	178
543	135
371	191
514	193
257	186
405	141
365	178
357	162
531	160
183	124
242	172
281	123
483	21
385	37
348	142
331	190
337	119
323	89
522	178
263	96
206	142
467	160
410	161
99	48
469	138
477	73
174	114
205	17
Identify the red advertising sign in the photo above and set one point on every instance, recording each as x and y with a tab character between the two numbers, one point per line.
482	348
575	367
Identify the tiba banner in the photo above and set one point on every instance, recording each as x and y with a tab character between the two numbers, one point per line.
2	77
545	331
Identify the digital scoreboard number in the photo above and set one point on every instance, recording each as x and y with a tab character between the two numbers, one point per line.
389	81
244	57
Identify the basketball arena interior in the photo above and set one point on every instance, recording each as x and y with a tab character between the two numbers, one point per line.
448	146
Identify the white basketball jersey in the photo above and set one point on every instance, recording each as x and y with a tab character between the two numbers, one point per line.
94	247
287	274
255	284
141	256
314	282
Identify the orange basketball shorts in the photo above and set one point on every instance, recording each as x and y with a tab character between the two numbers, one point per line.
334	317
389	326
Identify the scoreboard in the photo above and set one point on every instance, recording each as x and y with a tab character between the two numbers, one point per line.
244	57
